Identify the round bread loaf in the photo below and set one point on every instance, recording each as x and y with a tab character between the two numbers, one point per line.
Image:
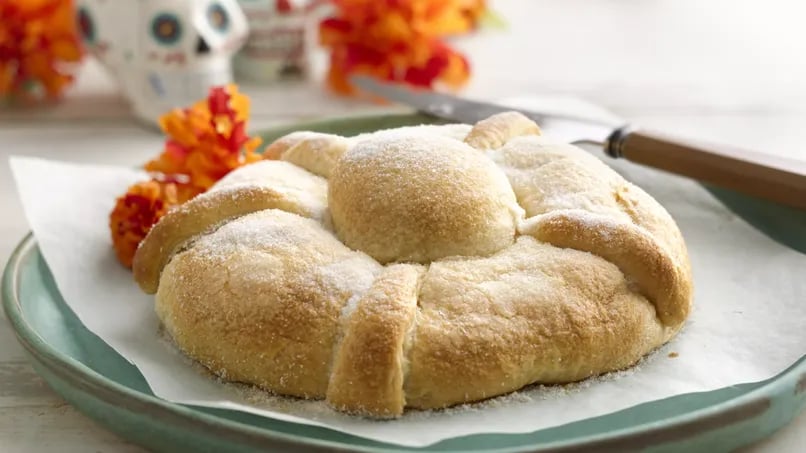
418	267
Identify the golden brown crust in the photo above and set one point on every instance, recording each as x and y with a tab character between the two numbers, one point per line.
317	154
494	131
385	202
586	276
547	176
632	249
647	213
278	147
590	207
259	186
532	313
259	300
367	375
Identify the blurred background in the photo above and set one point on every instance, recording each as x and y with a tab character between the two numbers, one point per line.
633	57
719	69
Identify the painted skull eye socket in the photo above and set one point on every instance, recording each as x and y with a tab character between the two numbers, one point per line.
166	28
218	17
86	25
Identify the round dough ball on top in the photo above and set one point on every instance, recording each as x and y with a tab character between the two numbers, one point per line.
402	197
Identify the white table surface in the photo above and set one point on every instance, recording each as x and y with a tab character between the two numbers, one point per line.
726	70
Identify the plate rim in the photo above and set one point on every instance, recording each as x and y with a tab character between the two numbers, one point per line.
738	409
744	407
749	404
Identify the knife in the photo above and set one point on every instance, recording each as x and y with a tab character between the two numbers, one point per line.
773	178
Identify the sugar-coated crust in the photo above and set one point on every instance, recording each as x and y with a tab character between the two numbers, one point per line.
384	201
589	207
531	313
318	153
259	300
291	189
629	247
494	131
499	259
367	375
276	149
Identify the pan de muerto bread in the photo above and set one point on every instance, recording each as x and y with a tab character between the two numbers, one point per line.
418	267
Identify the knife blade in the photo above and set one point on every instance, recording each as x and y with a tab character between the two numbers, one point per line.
774	178
452	108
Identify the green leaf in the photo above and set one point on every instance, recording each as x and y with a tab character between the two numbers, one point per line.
493	20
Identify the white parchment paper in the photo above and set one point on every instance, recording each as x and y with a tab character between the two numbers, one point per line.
748	322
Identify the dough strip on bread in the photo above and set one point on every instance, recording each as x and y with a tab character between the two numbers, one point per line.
196	217
317	154
574	200
532	313
367	375
493	132
254	187
636	252
314	151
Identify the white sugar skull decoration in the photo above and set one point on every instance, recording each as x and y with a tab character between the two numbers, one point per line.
164	53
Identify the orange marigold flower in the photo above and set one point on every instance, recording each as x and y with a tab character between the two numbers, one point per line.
474	11
38	41
207	140
139	209
398	40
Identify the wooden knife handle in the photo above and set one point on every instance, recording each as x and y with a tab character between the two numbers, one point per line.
773	178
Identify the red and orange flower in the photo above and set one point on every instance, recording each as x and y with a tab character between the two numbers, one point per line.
207	140
39	43
398	40
204	143
135	212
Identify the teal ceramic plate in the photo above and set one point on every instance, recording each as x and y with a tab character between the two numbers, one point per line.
103	385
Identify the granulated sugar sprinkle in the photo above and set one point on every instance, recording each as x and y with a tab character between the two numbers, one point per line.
318	410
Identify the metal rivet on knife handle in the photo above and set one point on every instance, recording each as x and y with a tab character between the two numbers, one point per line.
614	146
